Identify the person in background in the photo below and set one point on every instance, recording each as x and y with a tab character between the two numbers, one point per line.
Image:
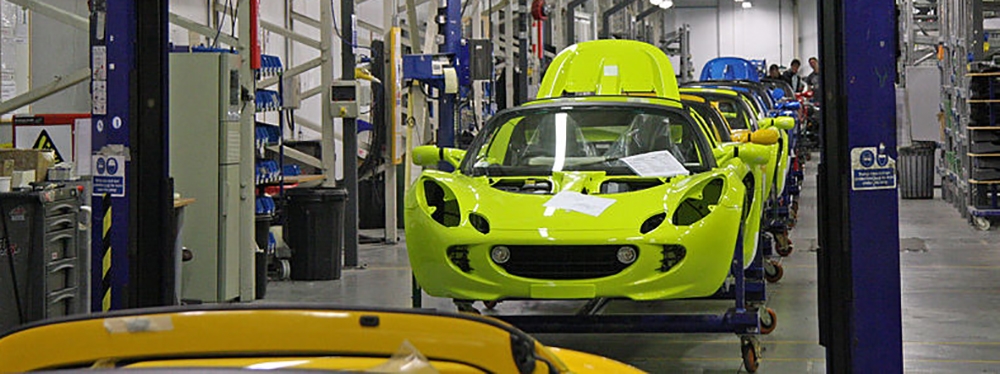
792	76
813	78
774	72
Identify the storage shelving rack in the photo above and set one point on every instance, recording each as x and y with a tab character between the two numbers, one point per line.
970	118
270	171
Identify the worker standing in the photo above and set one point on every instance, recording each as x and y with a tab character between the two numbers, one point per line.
792	76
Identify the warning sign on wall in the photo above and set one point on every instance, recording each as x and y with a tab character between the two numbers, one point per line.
45	142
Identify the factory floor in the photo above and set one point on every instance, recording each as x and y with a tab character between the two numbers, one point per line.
950	273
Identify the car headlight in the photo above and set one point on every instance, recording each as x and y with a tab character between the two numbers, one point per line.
652	223
479	223
692	210
444	202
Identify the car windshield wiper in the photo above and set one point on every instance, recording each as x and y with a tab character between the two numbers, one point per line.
609	159
488	171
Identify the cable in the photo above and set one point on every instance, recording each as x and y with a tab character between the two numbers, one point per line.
13	272
218	28
336	29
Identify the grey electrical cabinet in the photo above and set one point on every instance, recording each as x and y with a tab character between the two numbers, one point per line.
205	162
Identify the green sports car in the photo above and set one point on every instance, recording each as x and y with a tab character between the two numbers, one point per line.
611	189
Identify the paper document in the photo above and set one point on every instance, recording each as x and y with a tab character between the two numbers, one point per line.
575	201
656	164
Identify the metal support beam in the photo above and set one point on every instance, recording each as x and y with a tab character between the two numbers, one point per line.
277	29
38	93
312	92
309	124
208	32
858	257
350	143
571	21
386	101
411	20
56	13
606	17
370	27
294	71
646	13
151	197
297	155
308	21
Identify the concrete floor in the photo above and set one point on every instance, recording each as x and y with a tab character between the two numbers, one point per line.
950	302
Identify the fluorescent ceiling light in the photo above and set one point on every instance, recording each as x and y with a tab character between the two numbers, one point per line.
747	5
666	4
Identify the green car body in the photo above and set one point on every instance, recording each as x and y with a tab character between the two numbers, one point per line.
485	232
744	117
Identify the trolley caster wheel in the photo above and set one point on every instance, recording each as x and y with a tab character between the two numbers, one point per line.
773	271
284	269
982	223
490	305
783	245
751	356
768	321
465	306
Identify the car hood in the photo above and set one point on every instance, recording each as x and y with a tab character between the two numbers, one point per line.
508	210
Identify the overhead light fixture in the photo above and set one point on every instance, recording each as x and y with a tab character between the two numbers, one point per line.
747	5
738	1
665	4
655	2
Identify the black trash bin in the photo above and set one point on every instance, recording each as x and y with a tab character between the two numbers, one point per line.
314	230
916	171
261	228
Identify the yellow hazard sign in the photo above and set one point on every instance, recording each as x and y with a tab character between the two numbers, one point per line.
45	142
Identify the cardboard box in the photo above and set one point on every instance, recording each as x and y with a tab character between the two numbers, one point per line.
28	159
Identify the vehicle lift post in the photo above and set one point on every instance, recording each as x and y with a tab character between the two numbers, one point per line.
858	258
132	253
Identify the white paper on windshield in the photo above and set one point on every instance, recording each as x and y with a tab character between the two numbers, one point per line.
656	164
578	202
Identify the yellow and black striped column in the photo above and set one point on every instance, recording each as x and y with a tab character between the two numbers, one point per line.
106	259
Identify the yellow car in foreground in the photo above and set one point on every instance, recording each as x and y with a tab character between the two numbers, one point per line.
275	337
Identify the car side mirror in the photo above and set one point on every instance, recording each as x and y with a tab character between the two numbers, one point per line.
767	136
791	105
783	123
753	154
429	155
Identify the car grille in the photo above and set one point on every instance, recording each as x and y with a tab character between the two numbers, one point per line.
563	262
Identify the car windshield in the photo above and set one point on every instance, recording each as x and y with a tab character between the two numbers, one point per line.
539	140
714	118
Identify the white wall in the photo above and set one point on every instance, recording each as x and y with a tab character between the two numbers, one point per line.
57	50
766	31
808	31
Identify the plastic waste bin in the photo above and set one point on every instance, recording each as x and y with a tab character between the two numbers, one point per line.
314	230
916	171
261	228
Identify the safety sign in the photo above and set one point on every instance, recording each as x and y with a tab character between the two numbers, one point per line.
109	175
872	169
45	142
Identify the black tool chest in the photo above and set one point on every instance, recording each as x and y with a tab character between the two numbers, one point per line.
40	259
